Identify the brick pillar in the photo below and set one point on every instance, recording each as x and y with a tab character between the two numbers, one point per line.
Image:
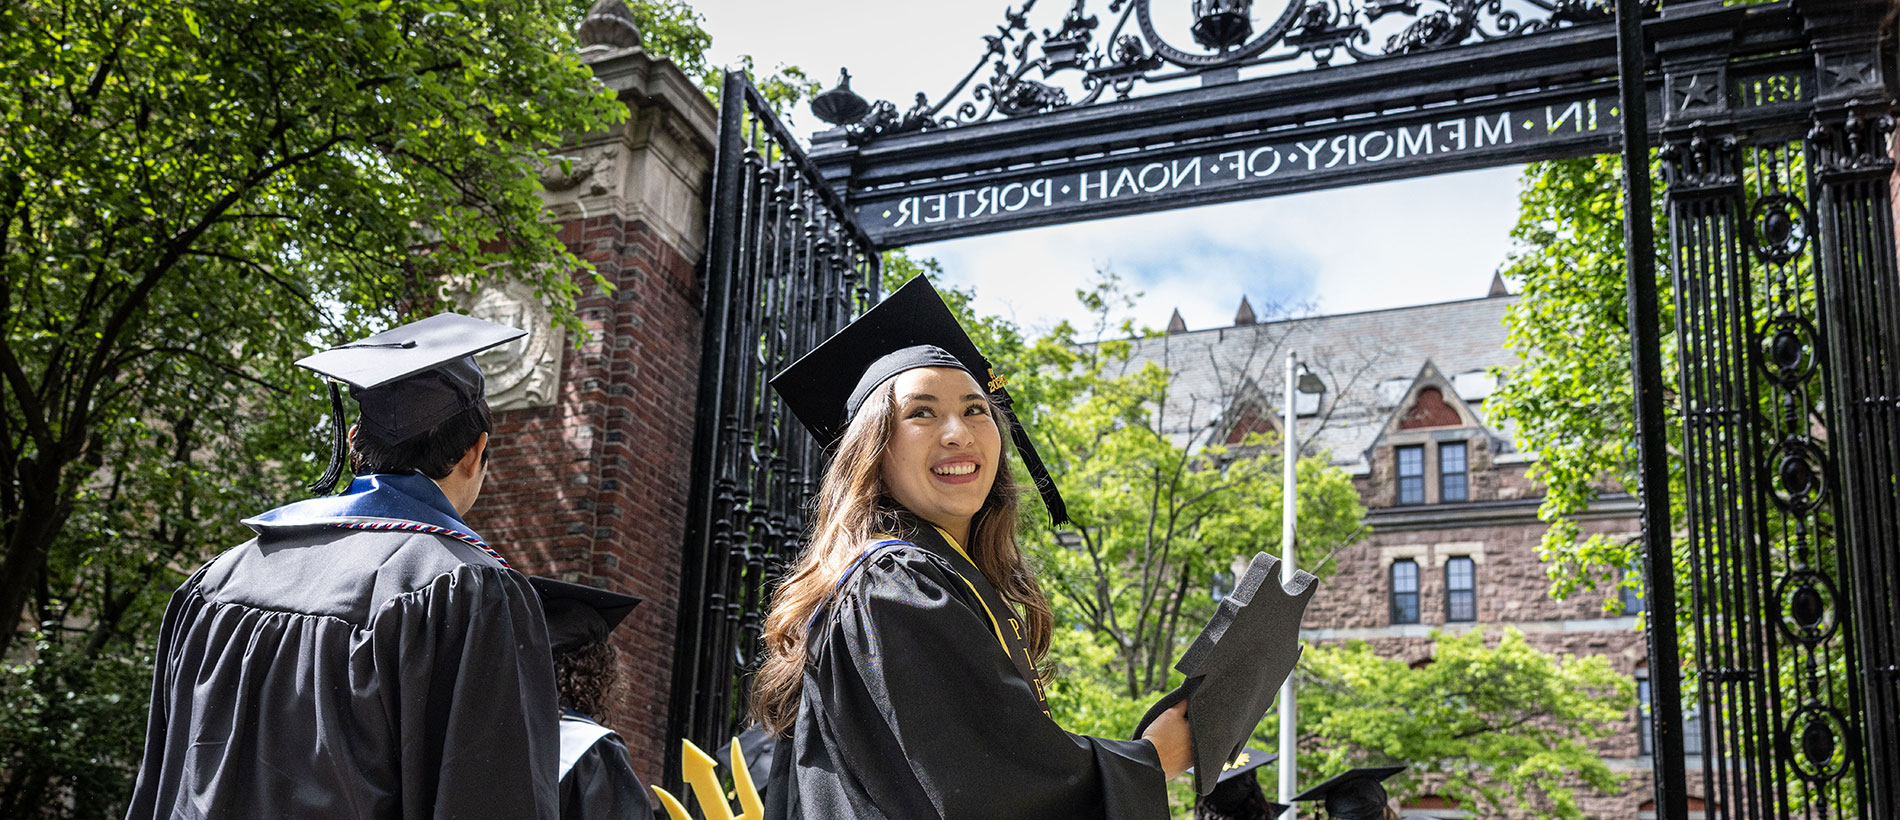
593	445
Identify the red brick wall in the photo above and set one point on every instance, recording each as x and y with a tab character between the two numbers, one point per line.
593	489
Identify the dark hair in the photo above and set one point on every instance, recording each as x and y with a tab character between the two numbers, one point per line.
433	453
586	676
1239	798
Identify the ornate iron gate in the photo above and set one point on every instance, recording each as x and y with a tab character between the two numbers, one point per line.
1775	122
1787	325
786	267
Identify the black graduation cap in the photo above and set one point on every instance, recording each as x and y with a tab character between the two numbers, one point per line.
407	379
911	328
1244	763
1235	666
1237	786
1357	794
579	614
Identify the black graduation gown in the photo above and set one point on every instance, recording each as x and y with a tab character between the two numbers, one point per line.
599	784
344	665
912	710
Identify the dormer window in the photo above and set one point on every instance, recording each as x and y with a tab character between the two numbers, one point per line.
1452	473
1411	474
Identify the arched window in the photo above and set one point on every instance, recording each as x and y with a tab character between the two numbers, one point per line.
1404	591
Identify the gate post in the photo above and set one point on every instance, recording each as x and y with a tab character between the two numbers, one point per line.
592	443
1850	170
1728	558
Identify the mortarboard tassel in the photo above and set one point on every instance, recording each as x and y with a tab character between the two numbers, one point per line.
339	444
1032	461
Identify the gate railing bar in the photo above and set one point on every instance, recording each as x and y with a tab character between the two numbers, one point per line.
721	259
1652	457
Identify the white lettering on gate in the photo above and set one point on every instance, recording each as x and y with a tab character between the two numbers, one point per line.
1457	133
1253	161
1573	114
1367	153
1156	179
1101	185
961	196
1415	144
985	200
1181	171
1312	153
1501	135
1044	183
1160	183
1004	197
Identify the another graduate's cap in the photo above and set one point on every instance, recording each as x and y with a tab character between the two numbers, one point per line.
1357	794
911	328
579	614
1235	666
1244	763
407	379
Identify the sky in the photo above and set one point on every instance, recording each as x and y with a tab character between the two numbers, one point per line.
1367	247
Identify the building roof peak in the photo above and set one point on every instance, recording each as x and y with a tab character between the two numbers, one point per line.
1176	324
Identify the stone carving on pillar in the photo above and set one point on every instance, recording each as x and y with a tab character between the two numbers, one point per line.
523	373
653	167
567	172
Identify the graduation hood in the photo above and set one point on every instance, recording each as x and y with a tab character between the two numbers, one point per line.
372	498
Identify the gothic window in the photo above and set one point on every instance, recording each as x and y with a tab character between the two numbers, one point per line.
1404	592
1461	596
1452	473
1411	474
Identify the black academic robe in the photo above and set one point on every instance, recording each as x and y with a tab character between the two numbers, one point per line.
344	665
597	779
912	710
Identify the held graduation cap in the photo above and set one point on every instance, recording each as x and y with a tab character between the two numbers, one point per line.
407	379
1235	666
1357	794
911	328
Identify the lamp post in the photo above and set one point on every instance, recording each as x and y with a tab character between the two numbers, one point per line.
1300	379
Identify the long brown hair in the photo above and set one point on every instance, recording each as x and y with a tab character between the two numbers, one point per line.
854	505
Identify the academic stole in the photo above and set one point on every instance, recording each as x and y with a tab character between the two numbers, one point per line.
1015	645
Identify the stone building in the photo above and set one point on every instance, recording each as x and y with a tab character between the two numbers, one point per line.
1452	514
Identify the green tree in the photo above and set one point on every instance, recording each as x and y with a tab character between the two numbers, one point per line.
1569	399
193	195
1158	514
1504	724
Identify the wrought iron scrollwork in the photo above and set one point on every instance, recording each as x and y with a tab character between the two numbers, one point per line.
1022	65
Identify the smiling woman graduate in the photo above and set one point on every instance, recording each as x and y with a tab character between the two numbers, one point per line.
902	646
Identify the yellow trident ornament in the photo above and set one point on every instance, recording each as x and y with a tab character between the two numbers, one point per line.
698	768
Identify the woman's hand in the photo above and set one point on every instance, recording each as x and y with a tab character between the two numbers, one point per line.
1169	734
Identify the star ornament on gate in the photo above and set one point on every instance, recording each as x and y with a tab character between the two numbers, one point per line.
1698	92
